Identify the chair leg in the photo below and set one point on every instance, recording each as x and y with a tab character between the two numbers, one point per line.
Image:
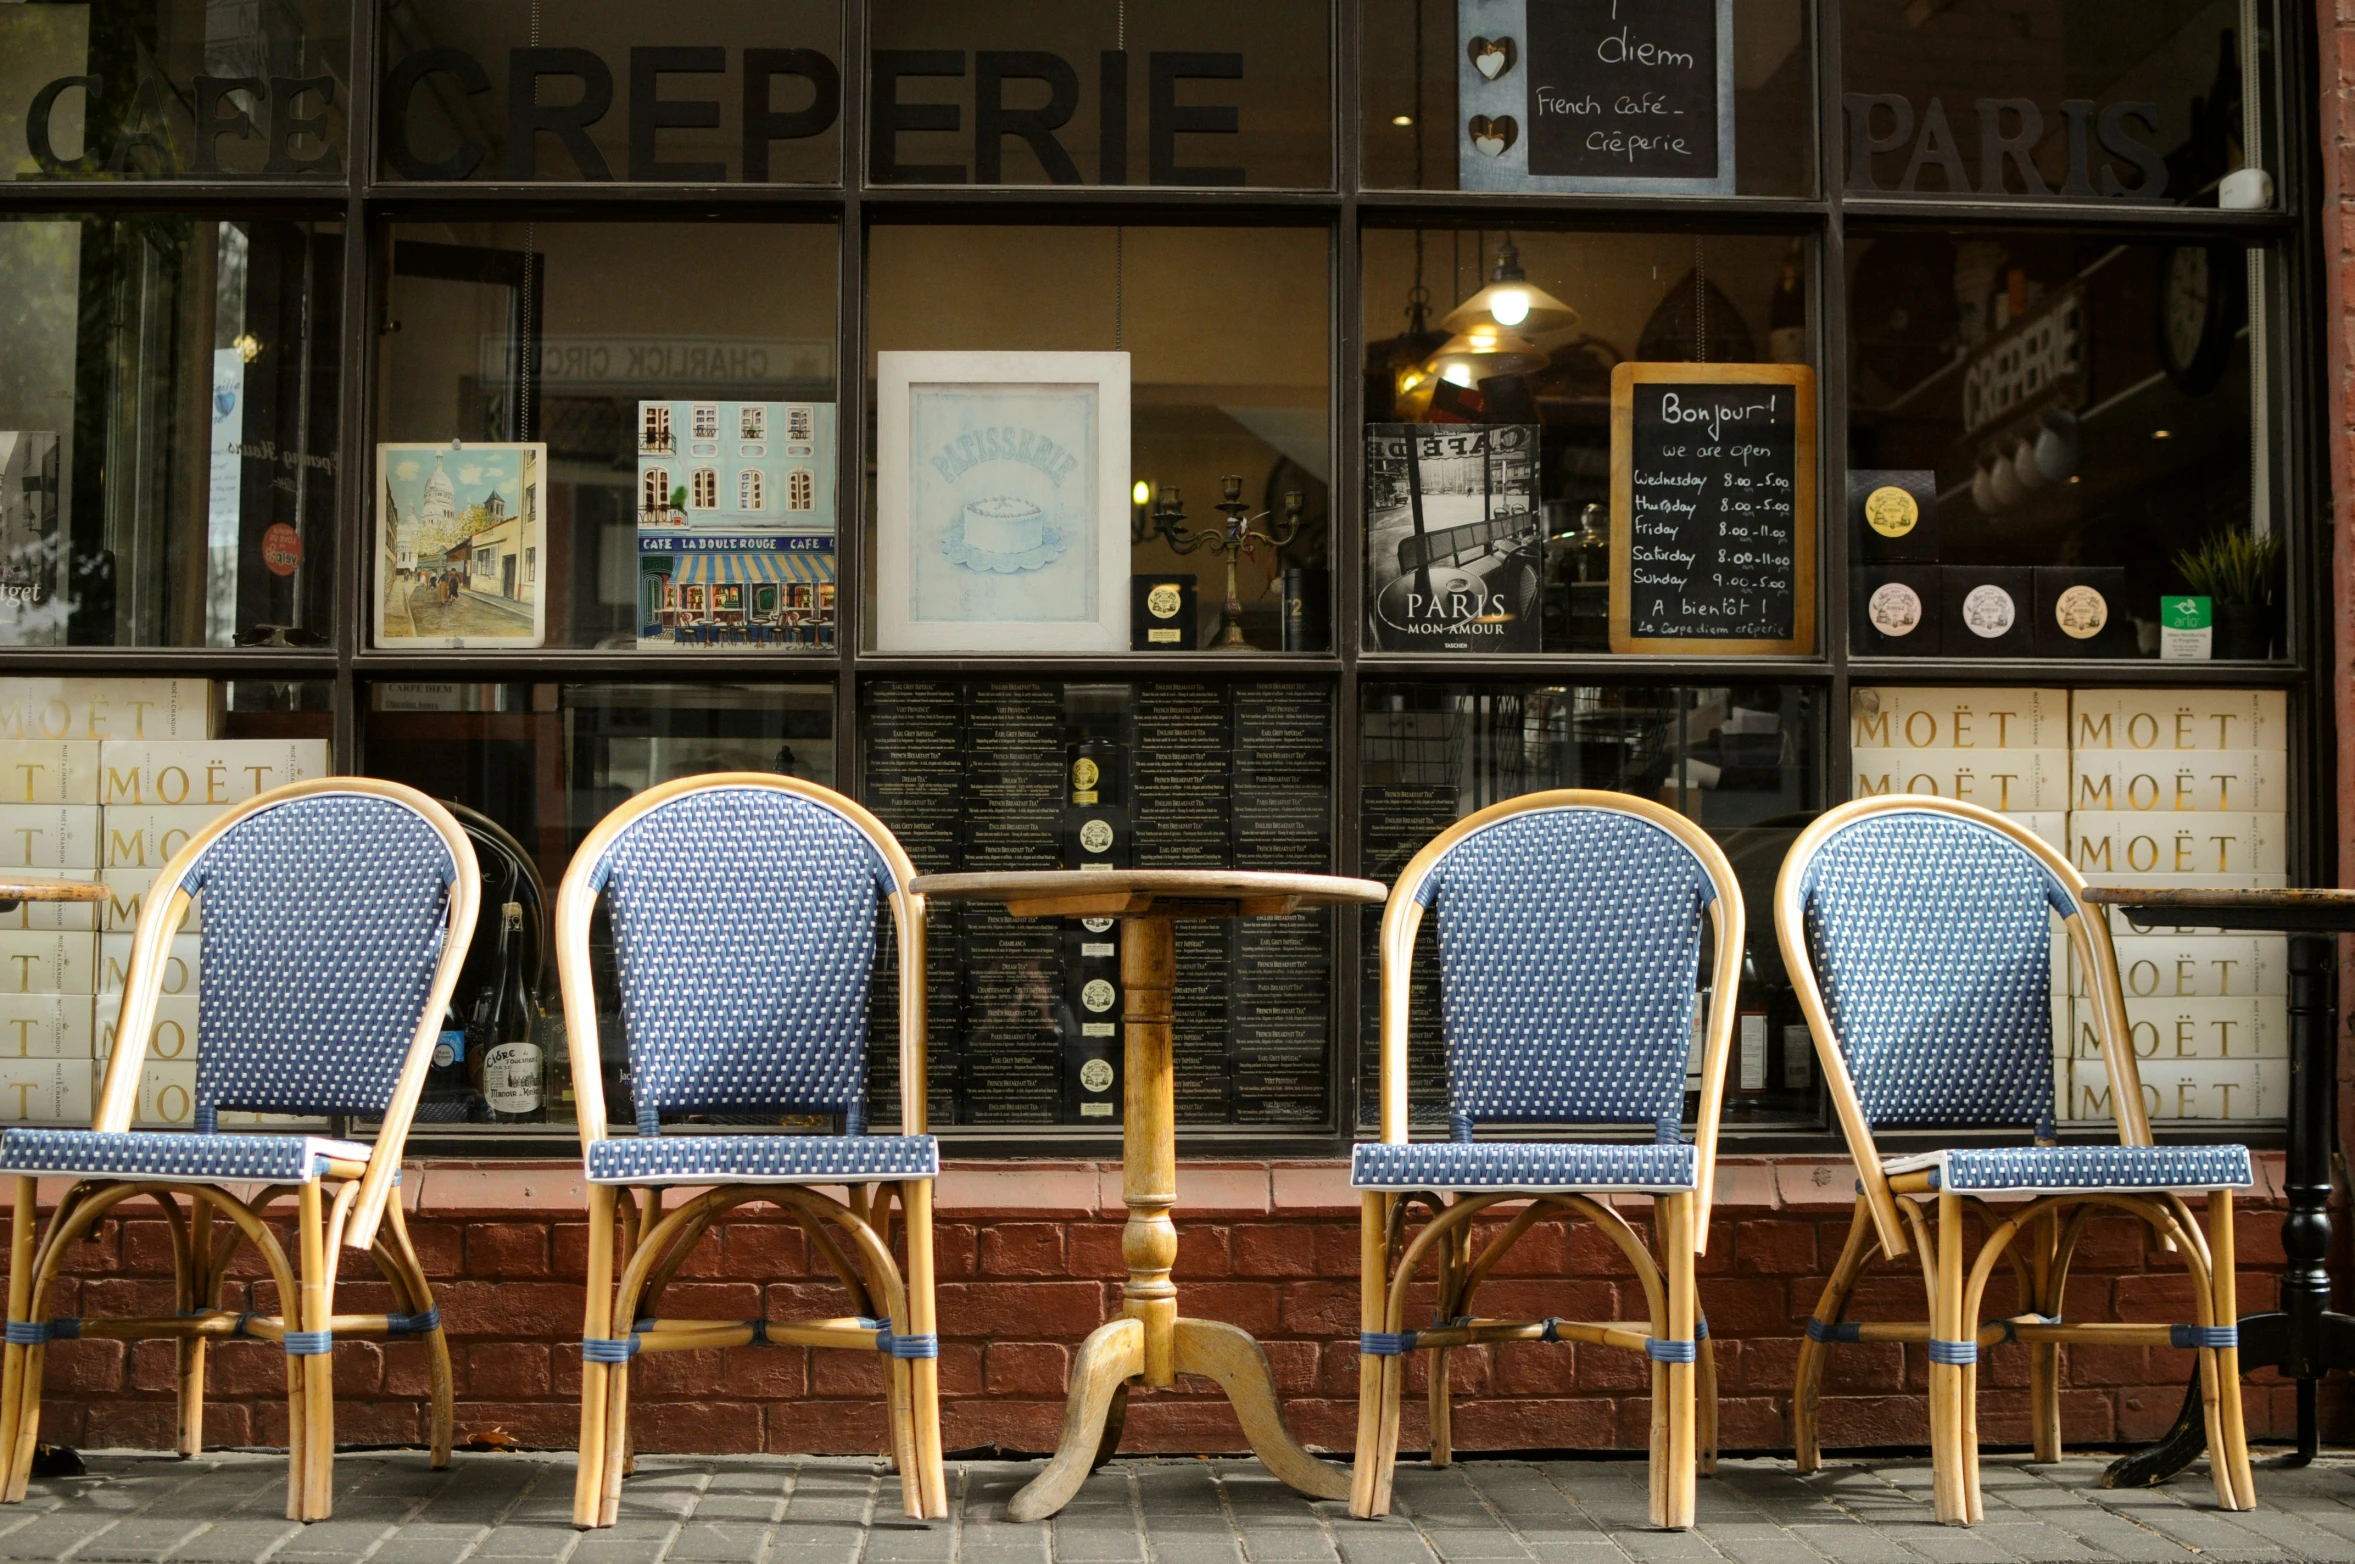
588	1484
437	1340
319	1367
198	1291
1807	1382
2236	1486
1952	1502
2044	1357
1705	1408
1453	1258
13	1364
1675	1236
1373	1281
924	1320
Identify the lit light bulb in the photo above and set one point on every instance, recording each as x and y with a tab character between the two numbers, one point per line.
1141	493
1402	120
1510	306
1457	374
1484	340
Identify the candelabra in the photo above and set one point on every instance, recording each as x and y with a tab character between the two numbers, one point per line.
1232	539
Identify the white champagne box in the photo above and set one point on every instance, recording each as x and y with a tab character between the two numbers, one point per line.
126	894
65	962
45	1026
48	771
45	1091
217	774
167	1100
2177	1029
51	916
2186	1089
2050	824
2226	781
58	708
2111	847
145	836
2007	781
54	839
173	1036
182	963
2196	966
2178	720
1909	717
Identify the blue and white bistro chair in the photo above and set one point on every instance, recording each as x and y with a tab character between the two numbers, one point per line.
1572	926
744	908
336	914
1919	934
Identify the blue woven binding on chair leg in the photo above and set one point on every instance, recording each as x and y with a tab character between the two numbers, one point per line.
414	1324
1959	1354
619	1350
32	1333
2218	1336
1667	1349
1845	1330
1385	1344
309	1343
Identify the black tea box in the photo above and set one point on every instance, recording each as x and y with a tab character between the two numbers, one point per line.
1896	611
1987	610
1893	515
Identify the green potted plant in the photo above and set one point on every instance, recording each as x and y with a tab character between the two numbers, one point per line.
2235	570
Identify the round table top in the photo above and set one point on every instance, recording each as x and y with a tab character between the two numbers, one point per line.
2302	910
17	887
1163	893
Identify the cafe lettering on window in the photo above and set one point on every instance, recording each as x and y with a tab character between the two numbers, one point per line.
556	94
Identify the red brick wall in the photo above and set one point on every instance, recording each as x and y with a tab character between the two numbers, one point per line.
1029	1262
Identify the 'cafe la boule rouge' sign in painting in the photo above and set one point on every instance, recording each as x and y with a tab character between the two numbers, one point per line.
1713	508
1596	95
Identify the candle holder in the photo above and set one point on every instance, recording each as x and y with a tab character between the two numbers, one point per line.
1232	540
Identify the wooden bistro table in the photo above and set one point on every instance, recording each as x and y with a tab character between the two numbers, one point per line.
16	889
1149	1341
2304	1338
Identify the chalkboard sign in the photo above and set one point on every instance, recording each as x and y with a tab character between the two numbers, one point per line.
1713	508
1596	95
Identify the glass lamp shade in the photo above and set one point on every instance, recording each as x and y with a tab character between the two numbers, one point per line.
1469	357
1515	304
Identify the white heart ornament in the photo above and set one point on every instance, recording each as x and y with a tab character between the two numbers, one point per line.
1493	146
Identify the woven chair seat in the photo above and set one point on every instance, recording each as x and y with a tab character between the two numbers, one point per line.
1533	1165
2067	1170
173	1156
762	1159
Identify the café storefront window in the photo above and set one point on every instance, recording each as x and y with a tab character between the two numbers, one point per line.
1317	421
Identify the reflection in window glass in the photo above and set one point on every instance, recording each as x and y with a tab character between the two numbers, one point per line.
1741	761
533	767
696	92
178	88
168	426
2140	100
620	347
2050	423
1024	1015
1159	92
1420	58
1227	331
1517	334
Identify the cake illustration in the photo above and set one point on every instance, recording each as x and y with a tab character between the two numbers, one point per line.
1002	534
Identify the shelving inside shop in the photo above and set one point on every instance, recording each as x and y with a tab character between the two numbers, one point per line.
1350	280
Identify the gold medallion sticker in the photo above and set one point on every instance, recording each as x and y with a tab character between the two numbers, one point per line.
1891	511
1164	601
1096	1075
2082	613
1095	836
1084	773
1097	995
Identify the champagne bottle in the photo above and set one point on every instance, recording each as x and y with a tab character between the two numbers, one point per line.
1750	1032
509	1070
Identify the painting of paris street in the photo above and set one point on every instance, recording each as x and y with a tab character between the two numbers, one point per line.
460	545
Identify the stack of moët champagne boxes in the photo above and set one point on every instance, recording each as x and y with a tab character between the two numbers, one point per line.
104	780
2165	788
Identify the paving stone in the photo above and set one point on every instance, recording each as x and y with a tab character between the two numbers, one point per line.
238	1542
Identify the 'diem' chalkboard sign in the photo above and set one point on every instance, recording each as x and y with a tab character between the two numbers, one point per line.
1595	95
1713	508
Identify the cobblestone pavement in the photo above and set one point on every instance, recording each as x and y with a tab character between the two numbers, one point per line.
391	1509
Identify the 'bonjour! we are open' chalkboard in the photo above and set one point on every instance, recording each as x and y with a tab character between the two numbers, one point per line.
1595	95
1713	508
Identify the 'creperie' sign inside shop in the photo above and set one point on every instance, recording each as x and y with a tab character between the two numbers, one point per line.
555	97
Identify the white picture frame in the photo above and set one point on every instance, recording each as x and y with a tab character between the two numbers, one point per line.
1002	508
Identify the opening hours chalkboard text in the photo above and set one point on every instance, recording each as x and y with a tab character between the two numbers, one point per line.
1713	508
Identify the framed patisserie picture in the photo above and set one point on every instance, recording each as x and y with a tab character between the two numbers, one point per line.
1002	507
460	545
